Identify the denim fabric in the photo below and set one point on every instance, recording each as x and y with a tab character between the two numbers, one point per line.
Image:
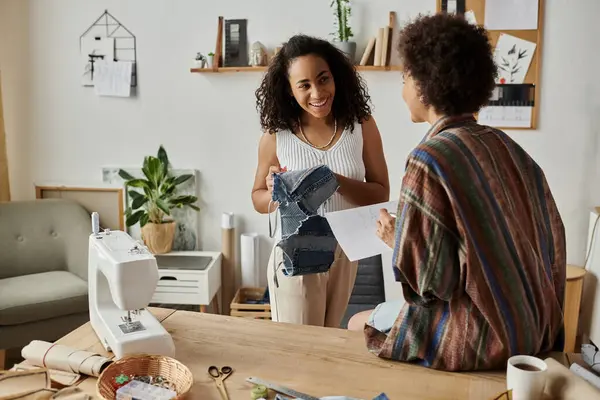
385	314
307	242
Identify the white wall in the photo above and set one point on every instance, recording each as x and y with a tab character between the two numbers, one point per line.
60	131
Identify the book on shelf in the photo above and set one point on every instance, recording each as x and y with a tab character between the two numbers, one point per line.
368	55
379	49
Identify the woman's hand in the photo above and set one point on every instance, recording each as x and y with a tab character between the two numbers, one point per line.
269	178
386	227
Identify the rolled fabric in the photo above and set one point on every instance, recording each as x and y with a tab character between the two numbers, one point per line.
64	358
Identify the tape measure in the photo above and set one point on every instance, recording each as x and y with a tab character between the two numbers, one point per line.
259	392
281	389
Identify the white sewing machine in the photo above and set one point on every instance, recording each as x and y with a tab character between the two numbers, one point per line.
122	277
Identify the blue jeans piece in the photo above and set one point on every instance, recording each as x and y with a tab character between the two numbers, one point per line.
307	242
385	314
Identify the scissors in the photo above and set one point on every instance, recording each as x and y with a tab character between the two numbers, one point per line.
219	375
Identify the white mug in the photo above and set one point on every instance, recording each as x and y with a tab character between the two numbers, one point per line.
526	377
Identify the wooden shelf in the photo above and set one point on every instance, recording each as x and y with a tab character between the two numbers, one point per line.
257	69
218	57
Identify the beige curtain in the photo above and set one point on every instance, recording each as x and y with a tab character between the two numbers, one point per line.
4	186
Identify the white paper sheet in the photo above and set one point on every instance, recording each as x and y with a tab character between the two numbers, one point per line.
513	57
511	14
506	117
356	230
98	46
470	17
113	78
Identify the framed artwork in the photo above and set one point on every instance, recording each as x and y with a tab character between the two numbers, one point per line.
187	219
106	201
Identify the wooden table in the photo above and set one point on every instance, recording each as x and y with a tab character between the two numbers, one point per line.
313	360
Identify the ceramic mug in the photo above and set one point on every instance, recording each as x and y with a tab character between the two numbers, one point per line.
526	377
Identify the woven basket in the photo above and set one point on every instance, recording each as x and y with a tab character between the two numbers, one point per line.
144	365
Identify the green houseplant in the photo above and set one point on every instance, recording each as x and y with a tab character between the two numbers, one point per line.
342	10
152	202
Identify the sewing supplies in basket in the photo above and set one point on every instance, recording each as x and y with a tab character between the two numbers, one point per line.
138	390
152	370
156	381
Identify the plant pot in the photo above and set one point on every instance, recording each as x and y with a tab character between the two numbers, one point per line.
210	61
159	237
347	47
200	63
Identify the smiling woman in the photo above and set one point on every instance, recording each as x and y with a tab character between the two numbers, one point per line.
314	110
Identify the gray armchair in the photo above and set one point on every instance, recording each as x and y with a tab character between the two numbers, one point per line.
43	270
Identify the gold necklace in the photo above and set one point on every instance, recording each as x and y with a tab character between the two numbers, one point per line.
318	147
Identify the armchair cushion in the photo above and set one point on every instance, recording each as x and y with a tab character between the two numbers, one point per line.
43	235
41	296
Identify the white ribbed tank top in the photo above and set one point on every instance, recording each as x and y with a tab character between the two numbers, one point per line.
345	158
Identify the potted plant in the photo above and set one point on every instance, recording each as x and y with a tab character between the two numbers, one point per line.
211	59
342	11
153	201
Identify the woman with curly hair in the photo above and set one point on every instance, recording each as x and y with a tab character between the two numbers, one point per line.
314	110
479	244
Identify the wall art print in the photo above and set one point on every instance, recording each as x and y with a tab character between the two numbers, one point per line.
513	57
186	233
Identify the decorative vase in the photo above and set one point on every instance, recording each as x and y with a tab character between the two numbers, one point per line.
258	55
159	237
347	47
210	61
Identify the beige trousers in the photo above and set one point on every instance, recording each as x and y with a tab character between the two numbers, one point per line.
314	299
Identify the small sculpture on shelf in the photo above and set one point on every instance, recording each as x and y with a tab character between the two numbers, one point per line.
200	60
258	55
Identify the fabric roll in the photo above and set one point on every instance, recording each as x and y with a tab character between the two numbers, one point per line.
250	259
64	358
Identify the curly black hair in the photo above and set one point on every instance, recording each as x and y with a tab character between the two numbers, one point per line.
451	62
274	100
